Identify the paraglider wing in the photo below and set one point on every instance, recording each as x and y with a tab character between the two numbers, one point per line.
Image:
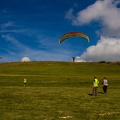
73	34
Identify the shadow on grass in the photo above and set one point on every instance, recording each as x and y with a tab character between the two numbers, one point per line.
90	94
98	93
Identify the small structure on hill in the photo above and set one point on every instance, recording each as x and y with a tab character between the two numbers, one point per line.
25	59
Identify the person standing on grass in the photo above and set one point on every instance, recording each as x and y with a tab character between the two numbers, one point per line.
95	86
25	81
105	85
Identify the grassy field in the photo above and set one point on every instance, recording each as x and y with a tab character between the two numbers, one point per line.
58	91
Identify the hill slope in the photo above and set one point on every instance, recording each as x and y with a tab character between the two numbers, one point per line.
58	90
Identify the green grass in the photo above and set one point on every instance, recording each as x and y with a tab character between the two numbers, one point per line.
58	91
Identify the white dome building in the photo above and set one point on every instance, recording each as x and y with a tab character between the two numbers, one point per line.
25	59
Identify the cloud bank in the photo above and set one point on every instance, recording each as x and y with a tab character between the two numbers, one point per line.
107	14
107	49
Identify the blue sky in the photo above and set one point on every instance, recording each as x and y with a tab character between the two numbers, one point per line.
32	28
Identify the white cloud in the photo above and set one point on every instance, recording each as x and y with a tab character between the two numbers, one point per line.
104	11
8	24
107	49
12	40
4	26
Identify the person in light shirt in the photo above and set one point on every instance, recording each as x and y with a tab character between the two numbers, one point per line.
105	85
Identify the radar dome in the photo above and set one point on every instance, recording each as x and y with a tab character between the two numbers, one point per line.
25	59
